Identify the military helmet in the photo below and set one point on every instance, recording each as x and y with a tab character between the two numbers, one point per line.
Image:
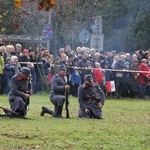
88	78
61	67
26	71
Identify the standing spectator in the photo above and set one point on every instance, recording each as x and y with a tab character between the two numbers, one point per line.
96	58
79	52
84	62
68	50
7	52
133	78
1	71
8	73
143	78
92	53
13	52
18	49
102	59
98	75
75	81
16	64
49	78
120	79
24	58
32	77
32	55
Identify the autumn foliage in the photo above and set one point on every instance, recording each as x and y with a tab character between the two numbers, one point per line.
46	5
43	4
18	3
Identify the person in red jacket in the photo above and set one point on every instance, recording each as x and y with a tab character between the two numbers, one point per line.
98	75
144	77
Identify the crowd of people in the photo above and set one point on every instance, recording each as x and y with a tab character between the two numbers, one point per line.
127	70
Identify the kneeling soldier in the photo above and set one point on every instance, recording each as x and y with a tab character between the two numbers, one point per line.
20	91
57	94
91	99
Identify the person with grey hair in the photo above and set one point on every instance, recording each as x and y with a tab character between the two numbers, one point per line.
18	49
92	53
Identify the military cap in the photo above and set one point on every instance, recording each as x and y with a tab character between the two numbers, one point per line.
88	77
61	67
26	71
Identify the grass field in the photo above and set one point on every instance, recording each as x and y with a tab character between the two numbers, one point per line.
126	126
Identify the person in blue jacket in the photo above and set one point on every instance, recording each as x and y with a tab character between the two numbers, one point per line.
75	81
8	74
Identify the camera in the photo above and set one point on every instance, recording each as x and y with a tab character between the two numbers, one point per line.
0	53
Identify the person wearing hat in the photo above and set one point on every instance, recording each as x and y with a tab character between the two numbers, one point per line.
24	57
75	81
91	99
57	93
20	91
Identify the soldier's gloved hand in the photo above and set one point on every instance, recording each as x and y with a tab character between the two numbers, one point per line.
86	111
67	87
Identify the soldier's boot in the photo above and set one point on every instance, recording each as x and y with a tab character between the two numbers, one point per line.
55	108
46	110
101	115
59	112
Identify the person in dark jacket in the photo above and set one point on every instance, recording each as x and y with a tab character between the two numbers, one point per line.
91	99
121	78
57	94
23	58
84	63
20	91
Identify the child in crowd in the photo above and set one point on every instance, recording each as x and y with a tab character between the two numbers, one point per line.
8	74
49	78
98	75
75	81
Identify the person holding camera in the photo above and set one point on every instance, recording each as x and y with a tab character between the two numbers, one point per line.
91	99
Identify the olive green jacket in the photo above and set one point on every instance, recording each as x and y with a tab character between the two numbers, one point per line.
1	64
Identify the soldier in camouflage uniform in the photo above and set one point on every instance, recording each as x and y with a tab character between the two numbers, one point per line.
57	94
20	91
91	99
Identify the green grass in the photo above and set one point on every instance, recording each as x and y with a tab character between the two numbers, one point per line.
126	126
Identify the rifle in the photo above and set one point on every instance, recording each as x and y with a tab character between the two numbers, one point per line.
67	95
11	114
